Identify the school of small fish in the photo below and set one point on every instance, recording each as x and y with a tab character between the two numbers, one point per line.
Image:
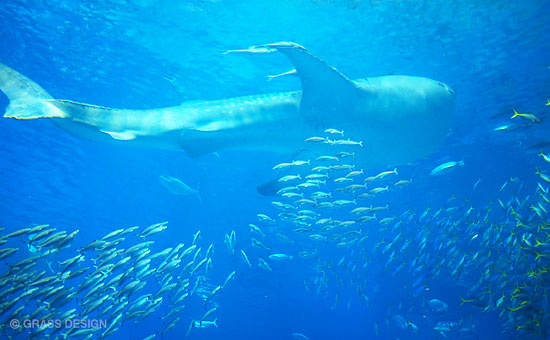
334	220
49	278
499	255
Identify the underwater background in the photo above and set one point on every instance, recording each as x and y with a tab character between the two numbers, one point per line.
479	223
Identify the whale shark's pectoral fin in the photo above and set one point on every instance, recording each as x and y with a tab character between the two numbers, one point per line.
270	188
321	83
199	143
196	150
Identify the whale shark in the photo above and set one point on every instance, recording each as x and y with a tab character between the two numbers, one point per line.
397	118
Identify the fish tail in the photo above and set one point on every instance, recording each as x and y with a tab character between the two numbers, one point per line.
28	100
515	114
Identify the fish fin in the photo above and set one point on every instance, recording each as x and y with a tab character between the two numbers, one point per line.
199	143
28	100
74	109
50	266
320	81
70	104
252	50
214	322
195	151
270	188
124	135
285	74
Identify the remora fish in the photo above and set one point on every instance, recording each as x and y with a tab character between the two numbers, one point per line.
401	118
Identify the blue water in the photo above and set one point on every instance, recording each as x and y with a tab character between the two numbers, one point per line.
148	54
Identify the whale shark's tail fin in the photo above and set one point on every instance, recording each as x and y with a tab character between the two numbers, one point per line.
27	99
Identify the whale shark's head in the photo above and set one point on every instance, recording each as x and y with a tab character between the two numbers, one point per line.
403	118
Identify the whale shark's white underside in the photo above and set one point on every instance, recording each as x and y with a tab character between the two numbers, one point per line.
398	118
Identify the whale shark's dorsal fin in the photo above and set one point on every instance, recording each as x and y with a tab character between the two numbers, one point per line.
321	83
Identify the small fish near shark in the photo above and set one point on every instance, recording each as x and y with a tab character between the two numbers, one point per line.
177	187
399	118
